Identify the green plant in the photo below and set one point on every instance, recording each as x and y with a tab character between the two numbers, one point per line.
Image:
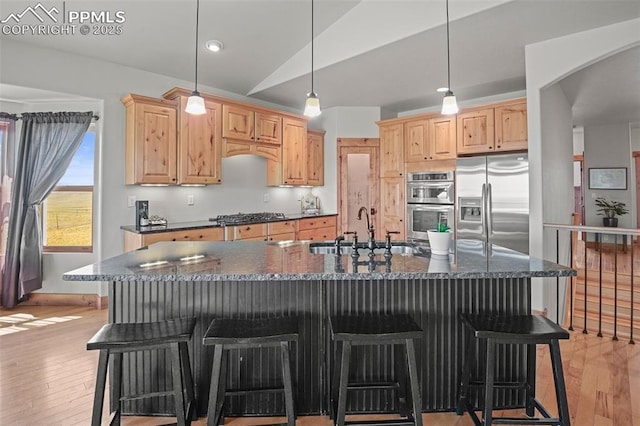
441	227
610	209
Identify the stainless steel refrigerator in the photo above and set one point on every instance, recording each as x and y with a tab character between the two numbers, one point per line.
493	200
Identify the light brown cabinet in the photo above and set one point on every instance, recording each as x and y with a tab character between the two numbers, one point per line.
392	150
134	241
252	232
315	157
502	127
291	169
199	144
246	124
392	200
281	231
430	139
317	229
511	127
151	138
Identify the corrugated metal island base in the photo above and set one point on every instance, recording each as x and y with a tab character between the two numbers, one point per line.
251	279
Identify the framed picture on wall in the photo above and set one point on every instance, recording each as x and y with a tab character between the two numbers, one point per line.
612	178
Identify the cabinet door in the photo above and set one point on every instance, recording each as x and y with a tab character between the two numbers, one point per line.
511	127
199	152
151	143
475	131
294	152
268	128
442	138
253	232
416	138
318	234
393	206
237	122
315	158
391	150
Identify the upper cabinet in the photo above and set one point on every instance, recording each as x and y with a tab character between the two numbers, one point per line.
294	152
315	157
245	124
430	139
199	143
501	127
511	127
391	150
151	138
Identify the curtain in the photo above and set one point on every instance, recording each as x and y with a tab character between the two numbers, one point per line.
7	167
47	144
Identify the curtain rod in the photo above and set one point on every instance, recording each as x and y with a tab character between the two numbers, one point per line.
19	117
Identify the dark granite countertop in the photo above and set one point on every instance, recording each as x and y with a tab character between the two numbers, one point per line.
182	226
266	261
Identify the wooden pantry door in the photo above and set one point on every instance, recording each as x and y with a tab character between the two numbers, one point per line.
358	184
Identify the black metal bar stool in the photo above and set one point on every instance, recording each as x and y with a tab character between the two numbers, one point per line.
520	329
116	339
227	334
399	330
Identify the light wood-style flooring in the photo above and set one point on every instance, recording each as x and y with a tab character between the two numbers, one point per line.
47	376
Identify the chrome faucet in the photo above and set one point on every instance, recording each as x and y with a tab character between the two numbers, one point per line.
369	227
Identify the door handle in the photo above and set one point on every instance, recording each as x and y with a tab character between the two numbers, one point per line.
483	216
489	210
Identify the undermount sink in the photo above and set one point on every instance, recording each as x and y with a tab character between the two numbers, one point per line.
401	248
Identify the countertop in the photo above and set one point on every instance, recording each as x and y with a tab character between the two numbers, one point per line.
269	261
182	226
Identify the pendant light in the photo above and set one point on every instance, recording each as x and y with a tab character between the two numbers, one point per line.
449	104
312	105
195	103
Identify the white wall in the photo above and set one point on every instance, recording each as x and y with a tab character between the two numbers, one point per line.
546	63
607	146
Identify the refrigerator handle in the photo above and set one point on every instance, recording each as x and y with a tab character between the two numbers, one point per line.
483	217
489	210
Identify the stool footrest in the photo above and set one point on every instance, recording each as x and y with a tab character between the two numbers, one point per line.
147	395
381	422
502	385
235	392
525	421
374	385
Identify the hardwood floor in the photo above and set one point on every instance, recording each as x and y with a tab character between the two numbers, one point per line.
47	376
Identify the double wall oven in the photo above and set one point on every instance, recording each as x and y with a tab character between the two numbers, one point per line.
430	198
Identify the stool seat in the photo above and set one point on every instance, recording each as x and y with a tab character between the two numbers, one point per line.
374	327
399	330
530	330
142	335
116	339
225	334
514	329
251	331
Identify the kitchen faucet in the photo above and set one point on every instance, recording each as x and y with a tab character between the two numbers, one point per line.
372	241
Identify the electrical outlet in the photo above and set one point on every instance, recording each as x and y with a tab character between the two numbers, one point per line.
190	200
131	201
265	198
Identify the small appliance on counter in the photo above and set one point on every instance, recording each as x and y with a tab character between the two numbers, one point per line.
143	218
310	204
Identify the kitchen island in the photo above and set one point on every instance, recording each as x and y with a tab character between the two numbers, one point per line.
249	279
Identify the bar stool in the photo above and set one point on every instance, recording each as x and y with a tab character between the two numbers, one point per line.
116	339
227	334
520	329
375	329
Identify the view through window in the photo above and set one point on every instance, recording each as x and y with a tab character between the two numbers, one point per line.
68	211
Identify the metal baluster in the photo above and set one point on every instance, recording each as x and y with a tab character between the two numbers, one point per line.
571	280
557	278
600	286
631	342
584	330
615	288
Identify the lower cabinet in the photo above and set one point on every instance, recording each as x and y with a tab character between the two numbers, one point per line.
281	231
134	241
254	232
393	207
317	229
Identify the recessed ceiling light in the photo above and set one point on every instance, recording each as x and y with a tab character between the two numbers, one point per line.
442	89
214	45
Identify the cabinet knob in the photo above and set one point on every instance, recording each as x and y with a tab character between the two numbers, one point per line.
173	239
498	146
490	147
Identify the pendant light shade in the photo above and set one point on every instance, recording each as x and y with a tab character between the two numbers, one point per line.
312	105
449	104
195	103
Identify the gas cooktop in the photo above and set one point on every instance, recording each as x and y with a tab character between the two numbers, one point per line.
244	218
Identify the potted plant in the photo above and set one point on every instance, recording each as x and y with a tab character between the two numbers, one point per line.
610	209
440	239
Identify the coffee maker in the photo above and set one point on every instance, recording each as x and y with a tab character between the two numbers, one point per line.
142	214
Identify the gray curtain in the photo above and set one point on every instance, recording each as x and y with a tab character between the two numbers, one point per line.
47	144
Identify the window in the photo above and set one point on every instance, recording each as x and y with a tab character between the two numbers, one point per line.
67	213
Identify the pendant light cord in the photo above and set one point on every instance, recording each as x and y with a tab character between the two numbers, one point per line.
448	52
312	47
197	25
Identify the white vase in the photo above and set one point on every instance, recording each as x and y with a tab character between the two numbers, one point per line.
439	263
440	242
